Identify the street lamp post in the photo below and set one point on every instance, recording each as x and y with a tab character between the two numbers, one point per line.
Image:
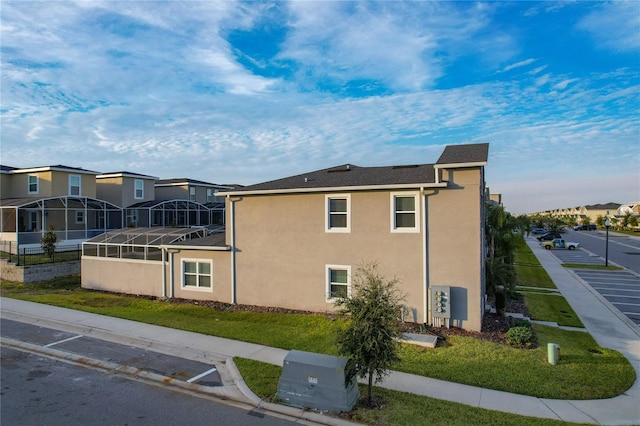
607	224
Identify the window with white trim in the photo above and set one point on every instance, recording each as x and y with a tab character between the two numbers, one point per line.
138	189
32	181
192	193
209	195
74	185
197	274
338	282
405	212
79	216
338	213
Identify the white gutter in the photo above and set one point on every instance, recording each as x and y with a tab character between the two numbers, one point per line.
164	272
232	214
425	281
171	275
334	189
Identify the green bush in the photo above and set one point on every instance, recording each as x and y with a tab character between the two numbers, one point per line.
520	322
519	336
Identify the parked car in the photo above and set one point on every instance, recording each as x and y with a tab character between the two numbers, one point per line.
549	236
591	227
538	231
560	243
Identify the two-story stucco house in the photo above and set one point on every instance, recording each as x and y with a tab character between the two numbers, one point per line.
64	197
297	242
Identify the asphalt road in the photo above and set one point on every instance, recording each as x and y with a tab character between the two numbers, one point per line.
620	288
623	250
37	390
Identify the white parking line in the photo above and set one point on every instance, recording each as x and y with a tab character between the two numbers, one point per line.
200	376
63	341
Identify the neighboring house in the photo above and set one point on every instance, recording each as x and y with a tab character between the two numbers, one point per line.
594	211
632	208
60	196
205	207
297	242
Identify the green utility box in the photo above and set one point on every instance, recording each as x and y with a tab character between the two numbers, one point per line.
319	381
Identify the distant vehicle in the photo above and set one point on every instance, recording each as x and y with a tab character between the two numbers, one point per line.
560	243
549	236
538	231
591	227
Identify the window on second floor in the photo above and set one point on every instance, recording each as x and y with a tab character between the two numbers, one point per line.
33	184
209	195
138	189
405	212
74	185
338	210
192	193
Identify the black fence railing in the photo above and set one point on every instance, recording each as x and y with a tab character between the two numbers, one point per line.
26	256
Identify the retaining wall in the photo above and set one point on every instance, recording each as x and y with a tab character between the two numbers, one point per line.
37	273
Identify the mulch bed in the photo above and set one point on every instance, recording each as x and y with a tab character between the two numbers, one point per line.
493	326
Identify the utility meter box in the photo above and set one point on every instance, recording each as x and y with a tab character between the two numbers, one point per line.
319	381
441	301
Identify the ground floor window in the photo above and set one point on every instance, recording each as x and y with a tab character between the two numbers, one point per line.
338	282
196	274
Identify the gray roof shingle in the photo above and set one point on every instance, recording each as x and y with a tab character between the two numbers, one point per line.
469	153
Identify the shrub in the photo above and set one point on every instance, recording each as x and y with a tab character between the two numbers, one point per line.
519	336
520	322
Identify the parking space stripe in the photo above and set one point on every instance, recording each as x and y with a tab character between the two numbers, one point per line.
200	376
63	341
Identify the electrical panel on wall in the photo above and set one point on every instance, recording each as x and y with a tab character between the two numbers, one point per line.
441	301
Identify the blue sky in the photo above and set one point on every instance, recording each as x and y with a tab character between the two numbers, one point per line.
244	92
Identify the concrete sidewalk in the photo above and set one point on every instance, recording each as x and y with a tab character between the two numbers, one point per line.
605	323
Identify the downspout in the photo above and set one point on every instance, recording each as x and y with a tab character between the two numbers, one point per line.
164	273
232	215
171	275
423	200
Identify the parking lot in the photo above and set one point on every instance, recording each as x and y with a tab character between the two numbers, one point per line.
620	288
171	367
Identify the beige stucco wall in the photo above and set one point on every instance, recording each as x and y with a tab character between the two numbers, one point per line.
283	249
121	190
172	192
221	271
455	244
122	275
60	184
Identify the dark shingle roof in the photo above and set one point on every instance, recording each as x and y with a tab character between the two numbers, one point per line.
469	153
606	206
349	175
185	181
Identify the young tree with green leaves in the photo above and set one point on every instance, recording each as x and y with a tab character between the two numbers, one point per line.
48	242
372	329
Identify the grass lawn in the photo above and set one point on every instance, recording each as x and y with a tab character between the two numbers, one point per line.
400	409
590	266
529	271
461	359
551	307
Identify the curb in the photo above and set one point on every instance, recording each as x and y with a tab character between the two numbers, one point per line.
287	410
238	392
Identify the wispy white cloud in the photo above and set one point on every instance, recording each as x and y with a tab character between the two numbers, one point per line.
614	25
518	65
160	88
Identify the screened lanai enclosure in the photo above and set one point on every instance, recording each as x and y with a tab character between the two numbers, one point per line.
138	243
24	220
175	213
